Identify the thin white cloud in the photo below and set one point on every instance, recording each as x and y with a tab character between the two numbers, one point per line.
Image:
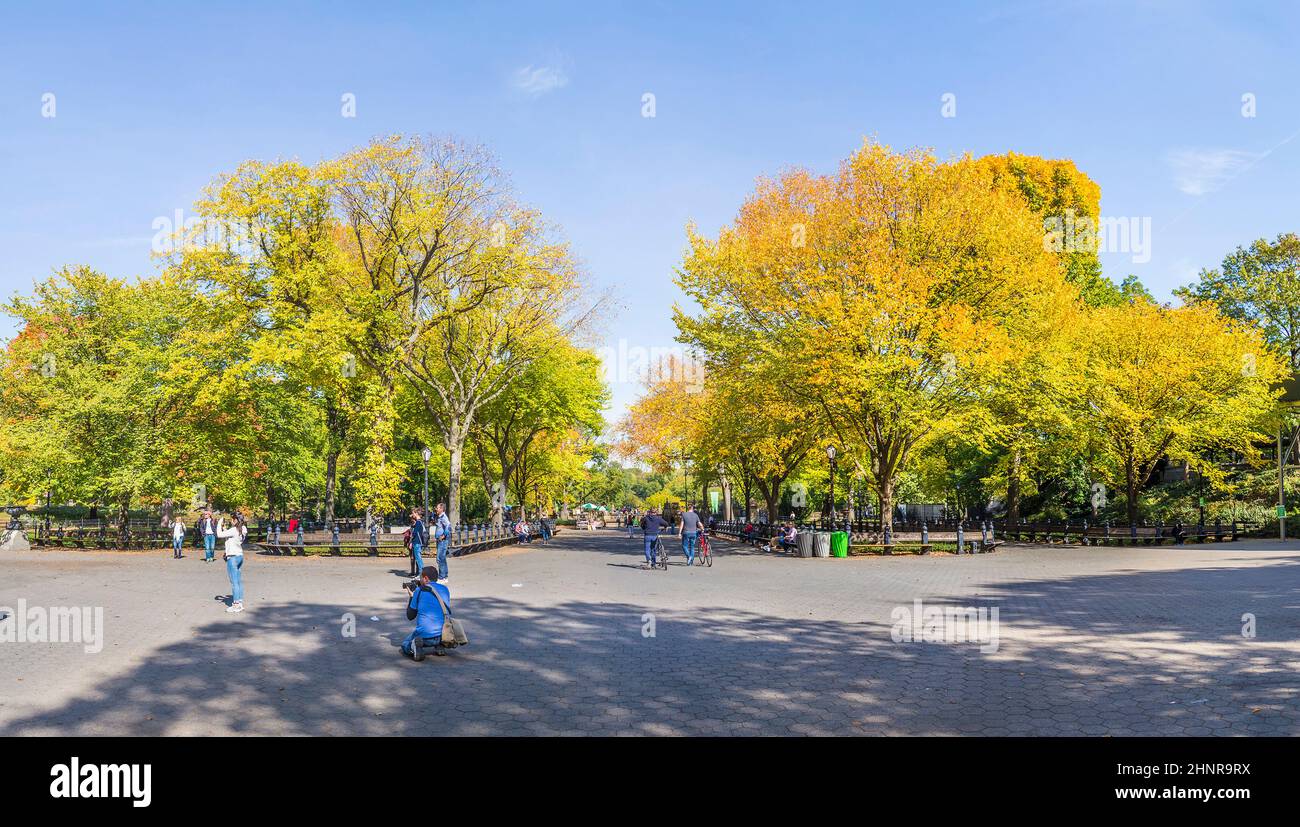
1201	171
538	80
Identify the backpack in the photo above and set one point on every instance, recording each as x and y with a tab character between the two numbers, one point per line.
453	633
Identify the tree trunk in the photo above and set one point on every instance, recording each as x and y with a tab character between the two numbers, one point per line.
885	491
494	511
1013	488
331	476
457	450
726	500
1131	487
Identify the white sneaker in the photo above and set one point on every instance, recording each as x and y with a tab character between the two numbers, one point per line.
234	607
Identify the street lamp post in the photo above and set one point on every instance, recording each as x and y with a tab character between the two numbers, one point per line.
426	454
830	456
726	500
686	486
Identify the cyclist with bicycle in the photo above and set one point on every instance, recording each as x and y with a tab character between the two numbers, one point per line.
651	525
690	530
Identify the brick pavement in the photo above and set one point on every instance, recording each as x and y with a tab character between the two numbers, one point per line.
1143	641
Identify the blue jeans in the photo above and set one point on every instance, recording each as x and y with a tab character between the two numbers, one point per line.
650	547
407	645
234	564
209	543
688	546
177	542
442	558
416	548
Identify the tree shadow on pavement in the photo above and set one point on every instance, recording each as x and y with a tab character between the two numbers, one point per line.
1073	659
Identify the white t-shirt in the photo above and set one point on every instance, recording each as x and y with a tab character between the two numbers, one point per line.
234	539
178	530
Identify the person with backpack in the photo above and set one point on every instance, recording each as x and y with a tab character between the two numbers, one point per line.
419	539
410	556
427	606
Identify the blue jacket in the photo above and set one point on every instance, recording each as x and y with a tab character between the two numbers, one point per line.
652	524
423	608
419	536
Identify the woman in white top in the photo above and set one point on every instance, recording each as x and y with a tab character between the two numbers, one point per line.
234	556
178	539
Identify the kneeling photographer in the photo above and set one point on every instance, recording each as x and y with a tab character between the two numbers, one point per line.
430	607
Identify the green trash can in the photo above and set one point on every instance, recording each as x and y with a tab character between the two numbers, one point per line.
839	544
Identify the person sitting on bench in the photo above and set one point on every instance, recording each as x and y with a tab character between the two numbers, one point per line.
426	610
790	539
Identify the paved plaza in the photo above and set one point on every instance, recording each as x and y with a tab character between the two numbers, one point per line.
1095	641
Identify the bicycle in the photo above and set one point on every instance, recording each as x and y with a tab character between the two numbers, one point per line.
703	554
661	554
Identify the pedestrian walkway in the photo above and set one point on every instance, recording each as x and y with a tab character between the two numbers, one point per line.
576	638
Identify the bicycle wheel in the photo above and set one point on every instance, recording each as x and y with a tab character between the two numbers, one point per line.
708	558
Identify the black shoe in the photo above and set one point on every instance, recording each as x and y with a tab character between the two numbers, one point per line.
440	651
417	649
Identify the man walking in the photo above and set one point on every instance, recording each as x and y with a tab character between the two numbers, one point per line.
651	525
690	531
442	536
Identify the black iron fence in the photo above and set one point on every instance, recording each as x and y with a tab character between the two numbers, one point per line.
343	536
1080	532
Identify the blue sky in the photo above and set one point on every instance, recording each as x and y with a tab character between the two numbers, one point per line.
152	100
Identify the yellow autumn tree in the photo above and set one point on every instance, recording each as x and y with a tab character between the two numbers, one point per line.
887	295
663	426
1184	383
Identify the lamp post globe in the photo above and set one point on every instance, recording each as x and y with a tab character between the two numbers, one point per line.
426	454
